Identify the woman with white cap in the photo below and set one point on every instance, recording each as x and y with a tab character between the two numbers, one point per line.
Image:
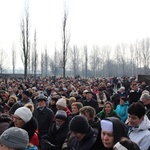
112	129
23	118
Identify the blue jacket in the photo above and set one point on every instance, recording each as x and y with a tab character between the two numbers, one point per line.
122	111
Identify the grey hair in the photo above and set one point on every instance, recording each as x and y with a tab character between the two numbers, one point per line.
145	96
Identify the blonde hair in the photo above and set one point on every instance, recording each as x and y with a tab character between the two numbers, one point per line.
30	106
14	98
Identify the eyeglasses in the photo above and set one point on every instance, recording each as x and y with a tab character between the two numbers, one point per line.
16	118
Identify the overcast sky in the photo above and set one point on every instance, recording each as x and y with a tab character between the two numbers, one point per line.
90	22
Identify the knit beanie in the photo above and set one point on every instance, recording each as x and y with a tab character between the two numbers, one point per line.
61	114
61	102
79	124
24	113
15	137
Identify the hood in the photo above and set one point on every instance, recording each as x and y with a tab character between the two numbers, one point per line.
120	129
145	124
125	104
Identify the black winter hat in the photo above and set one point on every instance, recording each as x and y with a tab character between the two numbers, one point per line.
26	92
79	124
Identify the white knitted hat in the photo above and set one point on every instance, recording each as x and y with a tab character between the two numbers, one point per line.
24	113
61	102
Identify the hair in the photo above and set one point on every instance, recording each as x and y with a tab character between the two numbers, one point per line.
145	97
136	109
30	106
4	118
111	105
14	98
79	105
88	109
130	145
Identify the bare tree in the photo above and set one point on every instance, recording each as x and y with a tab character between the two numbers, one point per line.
3	57
94	59
54	65
42	64
145	50
34	55
65	40
25	27
86	60
46	62
103	57
74	59
13	58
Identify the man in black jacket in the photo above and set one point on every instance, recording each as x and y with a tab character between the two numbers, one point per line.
89	101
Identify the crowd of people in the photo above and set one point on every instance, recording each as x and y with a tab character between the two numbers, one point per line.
74	114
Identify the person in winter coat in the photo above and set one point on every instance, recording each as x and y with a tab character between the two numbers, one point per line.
58	130
107	111
101	99
75	107
94	122
139	126
145	98
122	109
112	131
43	114
22	118
90	101
83	136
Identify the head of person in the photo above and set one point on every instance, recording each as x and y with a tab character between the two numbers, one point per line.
125	144
136	112
122	100
112	129
75	107
5	120
108	107
134	87
41	100
145	98
71	100
60	118
14	139
12	100
122	89
53	101
88	112
21	116
79	127
61	104
89	95
25	94
84	93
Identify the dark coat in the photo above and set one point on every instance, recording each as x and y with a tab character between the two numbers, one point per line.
58	136
93	103
45	118
87	143
134	96
95	124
